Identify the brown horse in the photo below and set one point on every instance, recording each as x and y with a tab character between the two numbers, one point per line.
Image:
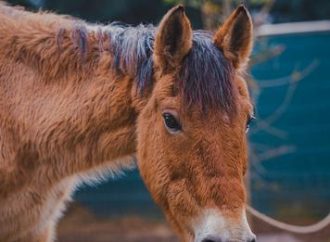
78	101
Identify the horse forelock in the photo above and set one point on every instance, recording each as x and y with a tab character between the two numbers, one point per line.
206	76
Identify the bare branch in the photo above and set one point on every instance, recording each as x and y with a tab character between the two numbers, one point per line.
295	76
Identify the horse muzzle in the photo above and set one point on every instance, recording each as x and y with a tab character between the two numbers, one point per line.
213	226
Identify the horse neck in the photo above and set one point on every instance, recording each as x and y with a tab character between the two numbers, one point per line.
86	111
58	47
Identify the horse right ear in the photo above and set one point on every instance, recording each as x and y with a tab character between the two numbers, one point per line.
173	40
235	37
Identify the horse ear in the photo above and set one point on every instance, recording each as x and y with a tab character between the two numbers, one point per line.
173	40
235	37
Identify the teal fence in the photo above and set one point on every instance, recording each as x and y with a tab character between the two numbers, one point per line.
290	144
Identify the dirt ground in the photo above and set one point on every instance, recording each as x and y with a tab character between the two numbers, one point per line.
79	225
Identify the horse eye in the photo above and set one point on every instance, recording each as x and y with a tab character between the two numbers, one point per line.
248	123
171	123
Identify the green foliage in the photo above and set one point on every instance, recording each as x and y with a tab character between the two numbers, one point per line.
191	3
259	2
199	3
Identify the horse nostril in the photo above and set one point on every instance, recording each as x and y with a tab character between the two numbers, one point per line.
212	240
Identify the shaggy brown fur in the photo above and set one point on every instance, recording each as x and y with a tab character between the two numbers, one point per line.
66	115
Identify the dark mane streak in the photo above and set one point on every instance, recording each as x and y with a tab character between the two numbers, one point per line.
205	78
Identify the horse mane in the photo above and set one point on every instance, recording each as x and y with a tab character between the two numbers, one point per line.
55	44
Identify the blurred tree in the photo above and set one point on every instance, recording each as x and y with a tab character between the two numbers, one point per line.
26	3
300	10
110	10
203	13
214	12
132	12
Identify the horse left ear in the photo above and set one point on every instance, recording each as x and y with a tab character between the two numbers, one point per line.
235	37
173	40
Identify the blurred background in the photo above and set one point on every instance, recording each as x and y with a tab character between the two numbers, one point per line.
289	176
